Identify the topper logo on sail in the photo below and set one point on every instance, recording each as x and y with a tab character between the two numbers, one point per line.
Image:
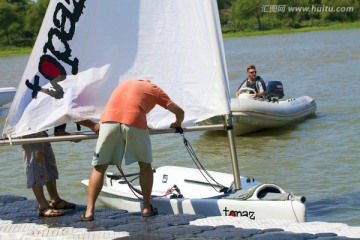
51	66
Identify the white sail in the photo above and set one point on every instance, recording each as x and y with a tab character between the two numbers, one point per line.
95	44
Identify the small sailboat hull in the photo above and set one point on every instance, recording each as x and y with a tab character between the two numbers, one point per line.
250	115
255	201
6	95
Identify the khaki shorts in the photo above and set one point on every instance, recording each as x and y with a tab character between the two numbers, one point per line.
119	141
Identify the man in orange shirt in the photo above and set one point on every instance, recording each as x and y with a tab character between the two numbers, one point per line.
124	135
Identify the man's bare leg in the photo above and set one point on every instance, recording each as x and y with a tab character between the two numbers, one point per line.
96	181
146	183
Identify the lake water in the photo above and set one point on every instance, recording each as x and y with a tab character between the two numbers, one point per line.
317	158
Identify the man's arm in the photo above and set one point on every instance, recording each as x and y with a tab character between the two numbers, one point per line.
90	124
179	114
261	86
60	130
237	91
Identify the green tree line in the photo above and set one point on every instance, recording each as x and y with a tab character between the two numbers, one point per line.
20	20
240	15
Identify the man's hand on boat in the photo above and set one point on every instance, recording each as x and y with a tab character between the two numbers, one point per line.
179	114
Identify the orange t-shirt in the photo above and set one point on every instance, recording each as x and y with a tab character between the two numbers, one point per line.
132	100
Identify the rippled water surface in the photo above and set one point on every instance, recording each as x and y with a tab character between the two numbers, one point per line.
317	158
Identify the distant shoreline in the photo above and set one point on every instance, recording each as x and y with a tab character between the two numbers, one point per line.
16	51
336	26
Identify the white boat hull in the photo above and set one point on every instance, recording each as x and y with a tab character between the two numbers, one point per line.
251	115
6	95
201	198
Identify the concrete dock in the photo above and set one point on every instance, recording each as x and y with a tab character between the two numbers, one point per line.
19	220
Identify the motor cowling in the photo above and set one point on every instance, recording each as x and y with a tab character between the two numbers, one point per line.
274	90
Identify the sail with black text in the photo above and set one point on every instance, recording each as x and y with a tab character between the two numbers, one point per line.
85	48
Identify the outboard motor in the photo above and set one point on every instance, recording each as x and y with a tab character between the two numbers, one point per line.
274	90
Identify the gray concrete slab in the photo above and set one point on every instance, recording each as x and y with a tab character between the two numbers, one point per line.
19	220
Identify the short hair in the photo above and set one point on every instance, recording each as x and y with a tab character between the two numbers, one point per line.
252	66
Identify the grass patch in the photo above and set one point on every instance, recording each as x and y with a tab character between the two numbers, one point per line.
14	51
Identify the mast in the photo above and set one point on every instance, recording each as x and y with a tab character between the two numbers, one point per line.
234	161
219	47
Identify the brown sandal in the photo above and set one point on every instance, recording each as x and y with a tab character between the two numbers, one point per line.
62	204
153	212
86	219
49	212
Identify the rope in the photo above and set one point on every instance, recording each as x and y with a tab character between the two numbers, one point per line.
292	206
138	192
198	164
132	188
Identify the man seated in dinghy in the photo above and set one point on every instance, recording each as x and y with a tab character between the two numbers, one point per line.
254	82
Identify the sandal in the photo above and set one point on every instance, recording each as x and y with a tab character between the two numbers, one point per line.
153	212
86	219
49	212
62	204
